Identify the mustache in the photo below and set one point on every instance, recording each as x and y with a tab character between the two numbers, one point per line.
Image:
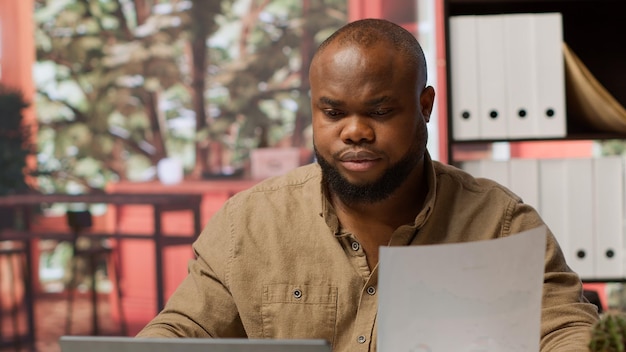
360	154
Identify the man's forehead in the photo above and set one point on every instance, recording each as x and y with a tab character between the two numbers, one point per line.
333	52
353	58
338	47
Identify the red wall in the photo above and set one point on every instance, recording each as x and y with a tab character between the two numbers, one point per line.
136	257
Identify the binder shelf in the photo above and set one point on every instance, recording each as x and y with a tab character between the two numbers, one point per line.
509	80
538	70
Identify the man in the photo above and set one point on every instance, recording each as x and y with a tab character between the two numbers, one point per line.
297	256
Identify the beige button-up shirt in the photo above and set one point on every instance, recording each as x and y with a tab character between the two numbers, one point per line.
274	263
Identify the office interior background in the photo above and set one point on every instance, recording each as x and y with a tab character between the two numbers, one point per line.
209	97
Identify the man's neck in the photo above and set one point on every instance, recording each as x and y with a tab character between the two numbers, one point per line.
373	224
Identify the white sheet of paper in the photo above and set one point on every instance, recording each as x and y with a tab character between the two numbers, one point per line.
482	296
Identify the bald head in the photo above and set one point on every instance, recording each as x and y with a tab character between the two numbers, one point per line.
368	33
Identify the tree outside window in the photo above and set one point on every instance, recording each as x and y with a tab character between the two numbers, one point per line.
123	84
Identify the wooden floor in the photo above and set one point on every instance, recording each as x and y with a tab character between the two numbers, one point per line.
50	317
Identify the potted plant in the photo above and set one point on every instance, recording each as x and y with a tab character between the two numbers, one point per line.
15	147
609	334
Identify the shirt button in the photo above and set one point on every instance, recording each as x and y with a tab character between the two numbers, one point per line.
355	246
297	293
361	339
371	290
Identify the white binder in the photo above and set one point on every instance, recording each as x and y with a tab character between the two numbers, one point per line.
473	167
553	191
608	204
520	75
492	77
464	77
524	180
579	209
550	88
496	170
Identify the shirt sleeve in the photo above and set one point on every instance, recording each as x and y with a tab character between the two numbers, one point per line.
202	305
566	316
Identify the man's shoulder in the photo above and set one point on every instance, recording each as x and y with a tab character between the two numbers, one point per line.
303	176
450	177
282	196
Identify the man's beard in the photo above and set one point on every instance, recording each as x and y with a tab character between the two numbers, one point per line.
371	192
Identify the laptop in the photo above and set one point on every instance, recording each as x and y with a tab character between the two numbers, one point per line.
132	344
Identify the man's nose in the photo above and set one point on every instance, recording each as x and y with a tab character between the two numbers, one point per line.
357	129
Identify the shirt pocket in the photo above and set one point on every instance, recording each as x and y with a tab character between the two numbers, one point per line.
299	311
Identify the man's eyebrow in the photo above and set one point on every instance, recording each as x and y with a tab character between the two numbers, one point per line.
337	103
331	102
378	101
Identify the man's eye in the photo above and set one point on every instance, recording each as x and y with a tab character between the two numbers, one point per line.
333	113
381	112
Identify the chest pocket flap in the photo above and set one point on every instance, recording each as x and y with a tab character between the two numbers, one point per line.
299	311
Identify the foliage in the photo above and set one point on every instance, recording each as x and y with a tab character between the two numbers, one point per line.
609	334
124	83
258	78
612	147
15	144
101	66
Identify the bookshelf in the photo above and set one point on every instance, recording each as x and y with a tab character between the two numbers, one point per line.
593	29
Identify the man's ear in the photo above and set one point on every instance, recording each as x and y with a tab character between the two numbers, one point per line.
427	99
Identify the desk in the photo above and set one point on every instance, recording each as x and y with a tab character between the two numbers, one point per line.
160	204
